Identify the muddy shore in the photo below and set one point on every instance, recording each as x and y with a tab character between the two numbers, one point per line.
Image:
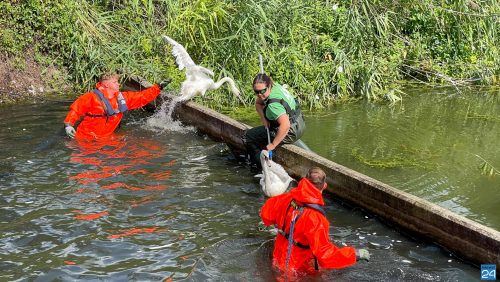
24	79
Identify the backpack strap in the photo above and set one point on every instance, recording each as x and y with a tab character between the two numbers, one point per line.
301	209
289	237
315	207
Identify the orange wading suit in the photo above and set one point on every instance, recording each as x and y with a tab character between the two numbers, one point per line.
96	123
310	232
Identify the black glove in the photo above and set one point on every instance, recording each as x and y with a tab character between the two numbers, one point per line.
164	83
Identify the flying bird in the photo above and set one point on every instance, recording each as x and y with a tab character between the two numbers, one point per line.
198	79
274	179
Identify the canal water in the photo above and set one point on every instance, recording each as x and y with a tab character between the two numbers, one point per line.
440	146
149	205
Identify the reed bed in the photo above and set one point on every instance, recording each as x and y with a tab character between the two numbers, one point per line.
326	51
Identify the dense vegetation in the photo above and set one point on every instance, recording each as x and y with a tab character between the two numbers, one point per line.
324	50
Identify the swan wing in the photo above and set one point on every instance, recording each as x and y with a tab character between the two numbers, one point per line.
262	183
275	186
198	72
280	173
182	57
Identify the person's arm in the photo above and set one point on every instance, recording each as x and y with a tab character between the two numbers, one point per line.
283	129
328	255
138	99
79	108
268	212
259	107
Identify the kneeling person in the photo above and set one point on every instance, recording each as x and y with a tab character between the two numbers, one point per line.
279	112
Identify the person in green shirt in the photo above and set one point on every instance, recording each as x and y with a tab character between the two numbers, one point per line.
279	112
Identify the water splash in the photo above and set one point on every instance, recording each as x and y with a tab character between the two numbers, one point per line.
162	120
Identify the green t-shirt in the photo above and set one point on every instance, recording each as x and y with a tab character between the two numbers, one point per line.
275	110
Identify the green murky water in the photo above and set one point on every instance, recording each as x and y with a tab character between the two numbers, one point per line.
432	145
436	144
150	205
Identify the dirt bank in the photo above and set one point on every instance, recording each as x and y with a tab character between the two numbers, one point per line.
23	79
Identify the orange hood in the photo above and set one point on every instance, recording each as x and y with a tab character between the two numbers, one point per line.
306	192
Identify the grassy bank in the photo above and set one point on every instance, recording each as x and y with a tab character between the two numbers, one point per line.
326	51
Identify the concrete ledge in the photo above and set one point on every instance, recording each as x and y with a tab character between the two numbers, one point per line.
469	240
465	238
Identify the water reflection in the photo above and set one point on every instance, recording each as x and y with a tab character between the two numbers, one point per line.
153	206
427	145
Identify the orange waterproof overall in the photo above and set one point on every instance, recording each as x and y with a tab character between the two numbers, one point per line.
311	230
95	123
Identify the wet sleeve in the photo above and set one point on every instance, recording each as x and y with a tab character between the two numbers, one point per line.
138	99
268	212
328	255
79	108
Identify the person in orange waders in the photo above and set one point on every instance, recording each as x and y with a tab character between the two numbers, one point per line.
102	109
302	244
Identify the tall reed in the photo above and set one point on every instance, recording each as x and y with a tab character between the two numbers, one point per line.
326	51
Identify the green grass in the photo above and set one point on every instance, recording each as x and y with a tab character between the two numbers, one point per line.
361	49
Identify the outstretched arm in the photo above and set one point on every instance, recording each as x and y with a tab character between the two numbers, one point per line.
80	107
138	99
328	255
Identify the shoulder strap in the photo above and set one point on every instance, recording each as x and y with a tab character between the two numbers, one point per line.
289	237
108	108
282	102
122	104
293	114
295	206
315	207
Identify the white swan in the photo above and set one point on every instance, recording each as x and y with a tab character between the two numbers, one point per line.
274	179
198	79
